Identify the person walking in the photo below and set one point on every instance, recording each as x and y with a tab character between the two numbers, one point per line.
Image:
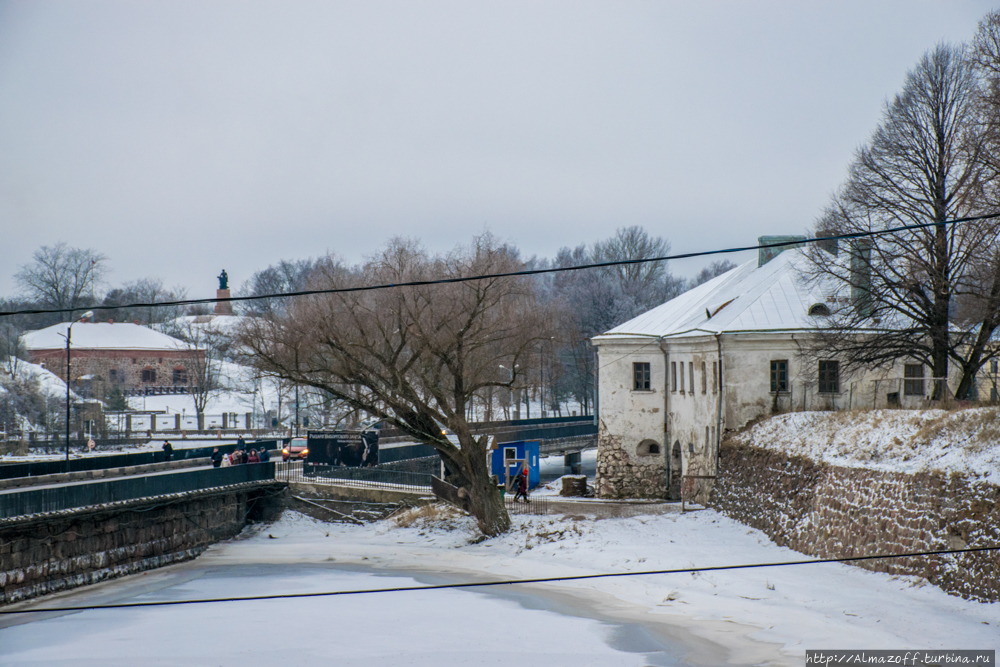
521	487
168	450
216	458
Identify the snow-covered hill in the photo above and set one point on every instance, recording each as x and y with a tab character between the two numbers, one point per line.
965	441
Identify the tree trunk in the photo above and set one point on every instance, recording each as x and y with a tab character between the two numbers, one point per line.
485	500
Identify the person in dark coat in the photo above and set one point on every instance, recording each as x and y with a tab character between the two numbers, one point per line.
216	458
241	445
168	450
521	487
265	456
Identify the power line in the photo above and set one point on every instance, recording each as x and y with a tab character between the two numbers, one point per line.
502	582
509	274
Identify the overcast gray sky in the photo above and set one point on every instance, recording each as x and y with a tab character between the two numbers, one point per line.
180	138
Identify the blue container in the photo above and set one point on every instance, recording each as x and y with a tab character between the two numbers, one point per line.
507	451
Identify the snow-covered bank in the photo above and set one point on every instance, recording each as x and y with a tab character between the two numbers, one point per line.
910	441
765	616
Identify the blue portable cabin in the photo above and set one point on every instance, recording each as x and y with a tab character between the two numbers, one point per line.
520	449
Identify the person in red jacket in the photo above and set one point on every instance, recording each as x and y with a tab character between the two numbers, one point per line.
253	458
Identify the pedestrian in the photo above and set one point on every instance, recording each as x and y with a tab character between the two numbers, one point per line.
168	450
217	458
234	458
241	444
521	487
265	456
253	458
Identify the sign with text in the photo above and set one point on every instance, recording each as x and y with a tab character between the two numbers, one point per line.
355	449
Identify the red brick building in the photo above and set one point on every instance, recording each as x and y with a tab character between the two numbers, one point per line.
123	355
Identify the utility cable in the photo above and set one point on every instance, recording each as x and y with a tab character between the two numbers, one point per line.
508	274
501	582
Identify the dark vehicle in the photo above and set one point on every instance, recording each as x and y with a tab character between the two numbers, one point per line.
297	449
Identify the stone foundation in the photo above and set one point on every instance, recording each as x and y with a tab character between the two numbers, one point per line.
43	554
832	512
620	475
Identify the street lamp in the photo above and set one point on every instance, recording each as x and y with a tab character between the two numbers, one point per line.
69	335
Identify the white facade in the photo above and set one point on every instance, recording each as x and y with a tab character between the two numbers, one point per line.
719	356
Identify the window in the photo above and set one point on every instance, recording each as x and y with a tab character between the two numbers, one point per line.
180	376
682	377
779	375
648	448
148	375
715	377
640	376
673	376
704	379
707	440
993	366
691	376
113	375
819	310
829	377
913	382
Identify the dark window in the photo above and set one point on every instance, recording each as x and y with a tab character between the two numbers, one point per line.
682	376
913	382
691	376
673	376
829	377
779	375
993	366
640	375
180	376
715	376
819	310
148	375
113	375
704	379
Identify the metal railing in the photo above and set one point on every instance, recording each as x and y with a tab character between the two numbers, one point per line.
534	507
366	478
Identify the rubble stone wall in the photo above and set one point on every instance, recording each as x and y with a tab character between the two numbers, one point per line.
832	512
50	554
622	475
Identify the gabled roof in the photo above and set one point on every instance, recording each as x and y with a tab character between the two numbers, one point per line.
773	297
101	336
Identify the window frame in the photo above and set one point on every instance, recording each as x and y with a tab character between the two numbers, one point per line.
691	375
828	376
913	385
779	384
673	376
641	376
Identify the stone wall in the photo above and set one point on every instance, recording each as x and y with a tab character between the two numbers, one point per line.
43	554
830	512
622	475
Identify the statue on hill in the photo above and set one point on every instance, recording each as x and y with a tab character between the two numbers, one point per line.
223	280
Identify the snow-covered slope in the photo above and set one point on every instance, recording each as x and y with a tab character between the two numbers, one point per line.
966	441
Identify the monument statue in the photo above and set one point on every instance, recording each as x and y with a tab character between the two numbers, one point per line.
223	280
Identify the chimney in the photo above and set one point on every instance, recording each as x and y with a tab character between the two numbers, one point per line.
765	255
861	276
824	242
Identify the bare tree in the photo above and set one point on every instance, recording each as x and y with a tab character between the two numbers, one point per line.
62	277
285	276
209	346
923	164
713	270
143	290
414	356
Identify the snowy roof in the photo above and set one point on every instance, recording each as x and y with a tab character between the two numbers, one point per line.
101	336
773	297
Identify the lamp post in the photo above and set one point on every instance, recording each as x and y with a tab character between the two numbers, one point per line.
516	404
69	335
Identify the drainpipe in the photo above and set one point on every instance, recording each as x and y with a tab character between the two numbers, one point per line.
718	416
666	411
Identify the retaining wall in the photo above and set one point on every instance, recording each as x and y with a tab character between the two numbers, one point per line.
829	511
43	554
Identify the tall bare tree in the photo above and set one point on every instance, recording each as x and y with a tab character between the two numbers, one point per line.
143	290
63	277
414	356
923	164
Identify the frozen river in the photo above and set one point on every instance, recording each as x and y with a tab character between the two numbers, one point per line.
443	627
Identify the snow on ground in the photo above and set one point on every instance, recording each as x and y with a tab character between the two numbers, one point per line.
762	616
961	441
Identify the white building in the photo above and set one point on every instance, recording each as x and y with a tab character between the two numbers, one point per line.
734	349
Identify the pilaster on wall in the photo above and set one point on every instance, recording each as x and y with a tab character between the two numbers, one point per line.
834	512
619	475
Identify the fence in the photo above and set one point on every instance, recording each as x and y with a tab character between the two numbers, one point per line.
366	478
72	496
535	507
12	470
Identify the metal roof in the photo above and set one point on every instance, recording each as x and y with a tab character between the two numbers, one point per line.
102	336
773	297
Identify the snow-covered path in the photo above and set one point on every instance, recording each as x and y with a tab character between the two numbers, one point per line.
760	616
